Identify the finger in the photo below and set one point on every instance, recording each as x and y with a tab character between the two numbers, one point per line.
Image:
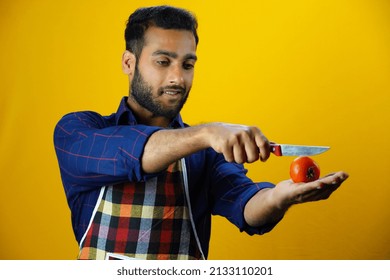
252	152
325	192
228	154
239	153
263	145
330	182
249	146
307	193
320	189
334	178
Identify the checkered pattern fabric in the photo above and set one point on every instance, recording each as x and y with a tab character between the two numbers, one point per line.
147	220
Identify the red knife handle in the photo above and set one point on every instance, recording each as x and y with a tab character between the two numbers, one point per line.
276	149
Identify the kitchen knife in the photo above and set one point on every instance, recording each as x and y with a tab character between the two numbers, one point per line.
296	150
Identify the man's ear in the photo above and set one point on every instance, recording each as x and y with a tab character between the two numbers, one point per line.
128	62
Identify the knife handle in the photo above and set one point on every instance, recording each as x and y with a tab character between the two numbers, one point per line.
276	149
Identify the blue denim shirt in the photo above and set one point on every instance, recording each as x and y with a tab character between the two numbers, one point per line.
94	151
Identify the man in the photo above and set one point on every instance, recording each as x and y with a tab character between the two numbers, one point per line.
142	184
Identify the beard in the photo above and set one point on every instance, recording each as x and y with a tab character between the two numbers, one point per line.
142	93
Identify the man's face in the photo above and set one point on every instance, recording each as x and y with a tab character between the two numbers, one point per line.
164	71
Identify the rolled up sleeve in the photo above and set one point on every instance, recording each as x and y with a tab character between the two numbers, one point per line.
231	190
91	154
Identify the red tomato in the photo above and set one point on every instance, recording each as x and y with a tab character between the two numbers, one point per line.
304	169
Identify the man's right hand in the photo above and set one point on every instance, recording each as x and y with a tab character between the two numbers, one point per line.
238	143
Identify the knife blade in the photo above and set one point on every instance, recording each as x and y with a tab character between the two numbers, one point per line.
296	150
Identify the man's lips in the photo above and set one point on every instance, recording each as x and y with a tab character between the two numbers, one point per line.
173	91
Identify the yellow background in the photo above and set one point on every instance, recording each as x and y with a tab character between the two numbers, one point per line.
305	72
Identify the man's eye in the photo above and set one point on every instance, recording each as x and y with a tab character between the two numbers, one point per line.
188	66
163	62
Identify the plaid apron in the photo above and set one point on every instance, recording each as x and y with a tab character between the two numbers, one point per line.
148	220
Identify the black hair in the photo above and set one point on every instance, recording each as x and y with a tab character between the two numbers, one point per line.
166	17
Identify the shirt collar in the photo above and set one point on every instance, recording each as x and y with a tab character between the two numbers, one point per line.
124	116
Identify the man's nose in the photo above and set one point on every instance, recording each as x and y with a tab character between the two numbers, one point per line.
176	75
